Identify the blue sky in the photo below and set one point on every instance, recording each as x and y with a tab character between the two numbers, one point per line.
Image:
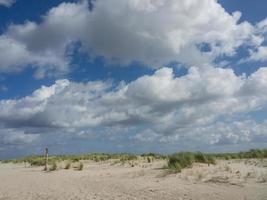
82	76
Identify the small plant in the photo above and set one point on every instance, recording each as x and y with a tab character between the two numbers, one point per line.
75	159
184	159
211	160
175	168
200	158
68	165
80	167
53	167
37	162
148	160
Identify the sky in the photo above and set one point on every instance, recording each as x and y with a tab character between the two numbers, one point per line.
132	76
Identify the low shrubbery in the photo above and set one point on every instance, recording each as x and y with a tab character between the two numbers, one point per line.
253	153
53	167
182	160
179	161
68	165
80	166
176	162
154	156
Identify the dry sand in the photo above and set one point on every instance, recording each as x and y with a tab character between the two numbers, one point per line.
228	180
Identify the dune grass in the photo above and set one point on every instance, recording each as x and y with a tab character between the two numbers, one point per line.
80	166
176	162
53	167
253	153
179	161
68	165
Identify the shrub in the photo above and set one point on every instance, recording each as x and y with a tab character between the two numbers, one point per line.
53	167
175	167
75	159
200	157
211	159
128	157
80	167
68	165
184	159
37	162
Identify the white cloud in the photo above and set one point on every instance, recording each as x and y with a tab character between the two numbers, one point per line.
219	133
135	30
6	3
162	104
16	137
262	27
259	55
256	47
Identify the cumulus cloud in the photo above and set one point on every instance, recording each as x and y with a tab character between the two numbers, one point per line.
257	48
16	137
150	32
260	54
219	133
6	3
160	104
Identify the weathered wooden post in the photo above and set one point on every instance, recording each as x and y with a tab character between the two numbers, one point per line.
46	159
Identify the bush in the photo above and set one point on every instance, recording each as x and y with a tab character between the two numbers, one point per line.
68	165
80	167
211	159
200	157
127	157
53	167
75	159
37	162
184	159
175	167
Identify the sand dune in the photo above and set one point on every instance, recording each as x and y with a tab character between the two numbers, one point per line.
228	180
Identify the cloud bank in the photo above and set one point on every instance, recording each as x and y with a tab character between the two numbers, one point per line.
153	33
162	104
206	106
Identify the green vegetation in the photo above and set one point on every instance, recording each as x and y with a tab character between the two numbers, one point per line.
176	162
68	165
155	156
182	160
80	167
253	153
38	160
53	167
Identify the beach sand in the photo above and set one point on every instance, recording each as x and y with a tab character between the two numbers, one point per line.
228	180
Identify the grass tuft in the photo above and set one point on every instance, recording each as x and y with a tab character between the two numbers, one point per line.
182	160
53	167
80	167
68	165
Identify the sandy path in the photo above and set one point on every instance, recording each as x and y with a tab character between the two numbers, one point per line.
226	181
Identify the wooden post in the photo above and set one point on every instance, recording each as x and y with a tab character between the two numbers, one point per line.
46	159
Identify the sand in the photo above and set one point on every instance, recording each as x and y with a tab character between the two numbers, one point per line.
228	180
